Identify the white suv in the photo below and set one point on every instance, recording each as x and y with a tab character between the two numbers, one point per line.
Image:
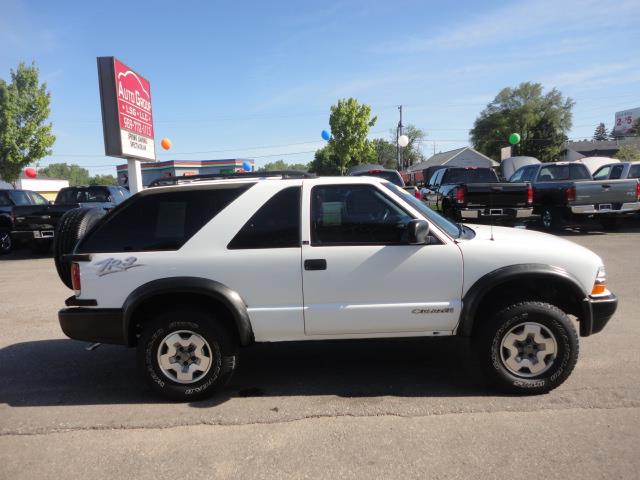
192	271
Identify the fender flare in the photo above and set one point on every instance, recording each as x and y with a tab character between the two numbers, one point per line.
476	294
194	285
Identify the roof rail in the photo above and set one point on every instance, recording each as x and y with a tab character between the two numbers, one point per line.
284	174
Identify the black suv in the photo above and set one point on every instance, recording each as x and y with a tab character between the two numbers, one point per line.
9	199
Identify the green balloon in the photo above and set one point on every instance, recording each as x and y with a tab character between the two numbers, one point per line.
514	138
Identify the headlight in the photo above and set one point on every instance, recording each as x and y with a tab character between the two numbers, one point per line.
600	285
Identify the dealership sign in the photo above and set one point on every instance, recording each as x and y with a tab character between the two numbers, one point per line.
625	120
127	117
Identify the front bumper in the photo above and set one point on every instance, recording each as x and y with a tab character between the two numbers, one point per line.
496	212
104	325
597	311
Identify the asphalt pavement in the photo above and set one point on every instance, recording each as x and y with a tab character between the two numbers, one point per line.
351	409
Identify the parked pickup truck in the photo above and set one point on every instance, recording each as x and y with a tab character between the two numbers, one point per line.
11	199
565	193
473	192
36	223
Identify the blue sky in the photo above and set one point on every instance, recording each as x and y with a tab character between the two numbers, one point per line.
256	79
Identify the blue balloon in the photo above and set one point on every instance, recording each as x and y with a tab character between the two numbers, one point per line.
246	166
325	135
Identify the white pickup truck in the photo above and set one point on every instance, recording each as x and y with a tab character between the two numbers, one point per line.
195	268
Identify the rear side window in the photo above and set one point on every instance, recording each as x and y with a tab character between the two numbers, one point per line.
634	171
275	225
162	221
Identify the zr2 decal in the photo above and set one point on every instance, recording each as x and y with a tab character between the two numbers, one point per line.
113	265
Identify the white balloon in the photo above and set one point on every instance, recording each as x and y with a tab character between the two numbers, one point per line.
403	140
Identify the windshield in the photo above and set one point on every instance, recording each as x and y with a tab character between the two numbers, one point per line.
451	229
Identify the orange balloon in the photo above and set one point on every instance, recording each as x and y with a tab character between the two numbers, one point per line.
166	143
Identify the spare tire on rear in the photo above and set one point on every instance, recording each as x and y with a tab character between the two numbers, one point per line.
72	226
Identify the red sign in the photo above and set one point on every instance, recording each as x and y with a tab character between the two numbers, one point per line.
127	115
134	101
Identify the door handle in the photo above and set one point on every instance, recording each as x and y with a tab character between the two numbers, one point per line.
315	264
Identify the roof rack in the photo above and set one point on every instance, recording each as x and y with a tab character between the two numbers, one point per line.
284	174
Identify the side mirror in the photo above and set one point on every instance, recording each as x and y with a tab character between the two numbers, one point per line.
418	232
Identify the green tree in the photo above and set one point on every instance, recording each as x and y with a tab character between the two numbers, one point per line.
601	133
325	162
74	173
385	152
628	153
103	180
350	122
282	165
411	153
541	120
24	109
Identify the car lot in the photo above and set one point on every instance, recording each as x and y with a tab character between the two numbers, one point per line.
402	408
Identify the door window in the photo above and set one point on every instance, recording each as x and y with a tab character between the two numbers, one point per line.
529	174
602	173
355	215
516	177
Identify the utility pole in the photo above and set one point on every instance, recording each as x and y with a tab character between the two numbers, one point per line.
398	133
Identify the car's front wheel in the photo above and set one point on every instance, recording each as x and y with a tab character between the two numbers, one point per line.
185	354
528	348
6	242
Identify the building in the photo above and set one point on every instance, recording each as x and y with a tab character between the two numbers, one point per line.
460	157
47	187
182	168
596	148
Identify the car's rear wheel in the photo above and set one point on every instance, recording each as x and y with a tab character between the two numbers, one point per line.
6	242
72	226
551	219
527	348
185	354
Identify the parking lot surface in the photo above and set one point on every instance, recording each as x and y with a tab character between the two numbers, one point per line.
353	409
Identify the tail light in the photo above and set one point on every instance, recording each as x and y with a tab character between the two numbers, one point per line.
75	276
570	194
418	195
529	194
638	191
460	195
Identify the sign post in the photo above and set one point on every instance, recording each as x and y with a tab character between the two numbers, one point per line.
127	117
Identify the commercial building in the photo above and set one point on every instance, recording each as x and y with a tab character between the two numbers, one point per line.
182	168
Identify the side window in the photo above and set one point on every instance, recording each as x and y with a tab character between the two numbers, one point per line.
516	177
602	173
529	173
38	199
355	215
616	172
436	178
64	197
634	171
275	225
4	200
159	221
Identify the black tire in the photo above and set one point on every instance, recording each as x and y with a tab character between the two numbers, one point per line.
222	348
553	326
71	227
551	219
6	242
609	223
